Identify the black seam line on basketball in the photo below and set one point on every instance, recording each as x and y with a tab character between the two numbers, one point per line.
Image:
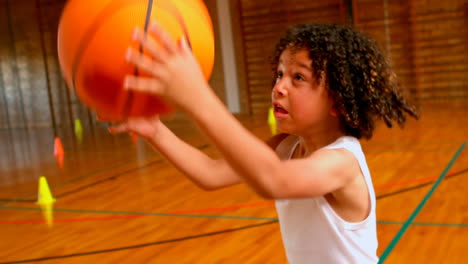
148	15
89	34
128	105
20	199
420	185
160	242
129	99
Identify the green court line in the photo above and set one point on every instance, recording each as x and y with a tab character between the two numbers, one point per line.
143	213
214	216
423	224
416	211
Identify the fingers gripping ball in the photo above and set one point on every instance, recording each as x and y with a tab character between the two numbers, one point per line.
93	38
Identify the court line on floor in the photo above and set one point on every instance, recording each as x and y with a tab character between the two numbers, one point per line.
261	204
232	207
129	215
125	217
383	222
94	173
453	175
379	187
413	215
19	199
382	258
140	213
113	177
187	238
22	198
439	150
69	220
173	241
144	244
418	180
208	209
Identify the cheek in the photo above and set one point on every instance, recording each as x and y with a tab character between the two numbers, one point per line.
301	109
309	108
301	103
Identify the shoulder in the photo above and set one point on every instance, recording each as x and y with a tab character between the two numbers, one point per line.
339	163
345	150
283	145
339	158
274	141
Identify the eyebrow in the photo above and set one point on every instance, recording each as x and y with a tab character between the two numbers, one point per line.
305	66
301	65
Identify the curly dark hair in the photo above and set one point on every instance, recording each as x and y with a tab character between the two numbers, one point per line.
358	76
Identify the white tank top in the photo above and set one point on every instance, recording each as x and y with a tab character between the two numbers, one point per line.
311	230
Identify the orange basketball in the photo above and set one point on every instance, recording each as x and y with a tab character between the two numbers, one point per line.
94	35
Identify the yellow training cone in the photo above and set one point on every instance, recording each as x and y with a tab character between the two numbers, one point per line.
46	200
272	121
78	131
47	211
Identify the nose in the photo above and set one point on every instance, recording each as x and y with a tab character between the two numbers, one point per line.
280	88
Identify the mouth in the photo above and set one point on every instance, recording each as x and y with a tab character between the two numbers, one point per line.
279	110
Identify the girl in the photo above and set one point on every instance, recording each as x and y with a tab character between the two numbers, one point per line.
330	85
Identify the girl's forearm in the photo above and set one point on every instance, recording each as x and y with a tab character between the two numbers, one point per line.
204	171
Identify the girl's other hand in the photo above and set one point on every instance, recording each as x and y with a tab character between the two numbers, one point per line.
173	70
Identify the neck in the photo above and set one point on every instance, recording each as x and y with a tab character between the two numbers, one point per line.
319	138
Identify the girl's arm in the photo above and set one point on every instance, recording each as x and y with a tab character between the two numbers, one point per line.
204	171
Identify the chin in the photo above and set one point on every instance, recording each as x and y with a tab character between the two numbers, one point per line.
284	129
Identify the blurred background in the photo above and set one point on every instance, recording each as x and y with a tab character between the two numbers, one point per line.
426	41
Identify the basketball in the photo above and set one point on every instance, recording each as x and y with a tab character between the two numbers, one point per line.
93	37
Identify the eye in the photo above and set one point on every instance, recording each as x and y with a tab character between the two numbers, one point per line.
298	77
279	75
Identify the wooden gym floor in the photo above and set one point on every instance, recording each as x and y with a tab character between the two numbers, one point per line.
120	202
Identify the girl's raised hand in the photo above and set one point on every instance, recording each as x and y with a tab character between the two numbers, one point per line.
173	71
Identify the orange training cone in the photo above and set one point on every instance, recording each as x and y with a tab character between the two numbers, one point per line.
59	153
134	138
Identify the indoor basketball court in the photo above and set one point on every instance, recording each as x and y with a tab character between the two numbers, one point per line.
119	201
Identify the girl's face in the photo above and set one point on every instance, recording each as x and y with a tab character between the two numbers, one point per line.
301	103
